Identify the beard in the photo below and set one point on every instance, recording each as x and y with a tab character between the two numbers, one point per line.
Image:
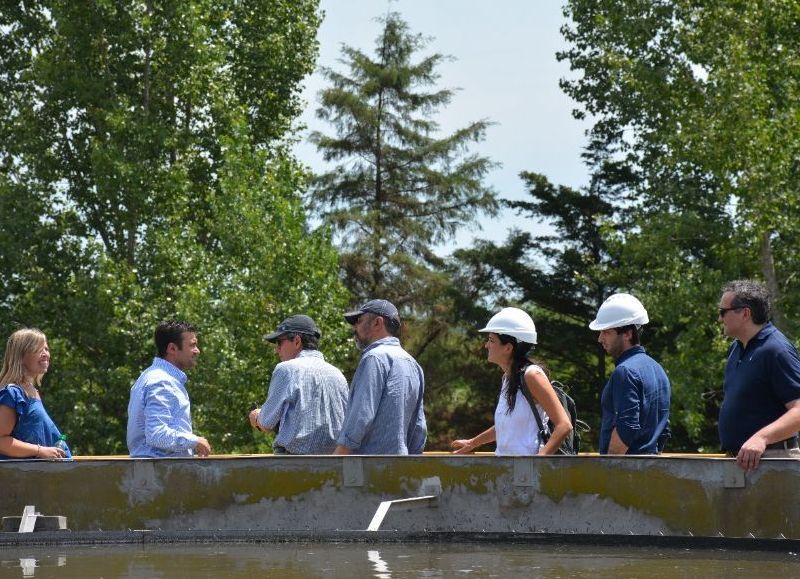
360	344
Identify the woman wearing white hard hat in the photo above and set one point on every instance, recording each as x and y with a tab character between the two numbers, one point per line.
512	335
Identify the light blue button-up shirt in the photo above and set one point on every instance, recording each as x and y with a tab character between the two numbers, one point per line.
159	413
308	398
385	413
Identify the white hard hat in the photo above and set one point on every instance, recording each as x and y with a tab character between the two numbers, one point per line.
618	311
512	322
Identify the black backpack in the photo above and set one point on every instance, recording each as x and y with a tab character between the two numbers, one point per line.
572	443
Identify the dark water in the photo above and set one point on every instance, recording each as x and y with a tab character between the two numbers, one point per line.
354	560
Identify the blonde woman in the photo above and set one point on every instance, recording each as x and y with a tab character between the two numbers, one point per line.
511	336
26	430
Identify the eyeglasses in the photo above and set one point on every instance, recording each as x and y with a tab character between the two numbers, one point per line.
723	311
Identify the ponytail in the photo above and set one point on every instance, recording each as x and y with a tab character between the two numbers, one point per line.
519	361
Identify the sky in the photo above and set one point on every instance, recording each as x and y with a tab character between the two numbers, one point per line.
505	70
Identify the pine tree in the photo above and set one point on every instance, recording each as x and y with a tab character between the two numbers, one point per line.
399	188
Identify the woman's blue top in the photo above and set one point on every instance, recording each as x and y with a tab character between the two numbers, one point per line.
34	425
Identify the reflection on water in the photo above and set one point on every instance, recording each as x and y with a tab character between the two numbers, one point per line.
381	568
354	560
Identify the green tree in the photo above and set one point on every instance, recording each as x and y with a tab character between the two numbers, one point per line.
562	277
399	187
699	99
146	175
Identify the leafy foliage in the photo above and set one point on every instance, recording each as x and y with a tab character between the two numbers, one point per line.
697	100
145	176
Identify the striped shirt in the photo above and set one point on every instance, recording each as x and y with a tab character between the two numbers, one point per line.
385	413
307	398
159	413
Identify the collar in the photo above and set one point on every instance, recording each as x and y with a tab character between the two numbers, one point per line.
170	369
387	341
632	351
765	331
310	354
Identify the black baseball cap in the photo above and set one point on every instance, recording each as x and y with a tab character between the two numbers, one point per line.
299	324
382	308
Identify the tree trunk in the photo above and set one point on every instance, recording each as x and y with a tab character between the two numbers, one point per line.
771	279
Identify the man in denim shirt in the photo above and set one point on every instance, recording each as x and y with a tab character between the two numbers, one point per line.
385	413
159	412
307	395
635	401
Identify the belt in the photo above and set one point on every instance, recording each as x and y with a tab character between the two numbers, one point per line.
787	444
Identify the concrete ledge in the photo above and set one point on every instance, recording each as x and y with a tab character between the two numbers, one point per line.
43	524
553	496
8	541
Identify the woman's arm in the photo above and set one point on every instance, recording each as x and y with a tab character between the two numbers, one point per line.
541	389
466	445
10	446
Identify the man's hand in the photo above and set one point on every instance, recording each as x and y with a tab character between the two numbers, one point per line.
751	451
202	448
342	450
462	446
254	414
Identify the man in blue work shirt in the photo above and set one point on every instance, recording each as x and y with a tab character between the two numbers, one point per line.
635	401
159	412
307	396
385	414
760	413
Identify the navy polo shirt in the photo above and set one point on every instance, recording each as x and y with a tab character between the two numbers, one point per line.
635	401
759	381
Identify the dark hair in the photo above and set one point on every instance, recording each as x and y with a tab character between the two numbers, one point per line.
636	333
309	341
519	361
750	294
392	326
171	332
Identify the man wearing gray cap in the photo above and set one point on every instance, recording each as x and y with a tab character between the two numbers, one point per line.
307	396
385	414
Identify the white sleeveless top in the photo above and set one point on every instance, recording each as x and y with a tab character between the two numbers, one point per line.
517	433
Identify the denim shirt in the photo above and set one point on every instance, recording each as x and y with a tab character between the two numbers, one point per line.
159	413
636	402
385	413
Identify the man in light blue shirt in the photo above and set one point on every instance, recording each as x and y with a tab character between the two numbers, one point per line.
307	396
159	412
385	413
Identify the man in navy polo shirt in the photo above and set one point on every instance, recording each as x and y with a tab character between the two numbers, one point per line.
760	414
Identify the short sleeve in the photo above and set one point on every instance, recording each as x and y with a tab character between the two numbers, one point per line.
786	375
12	397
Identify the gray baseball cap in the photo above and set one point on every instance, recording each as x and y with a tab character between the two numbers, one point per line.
298	324
383	308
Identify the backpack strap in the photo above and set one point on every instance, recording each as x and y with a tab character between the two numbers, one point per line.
544	434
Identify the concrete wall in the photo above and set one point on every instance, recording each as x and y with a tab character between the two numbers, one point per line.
627	495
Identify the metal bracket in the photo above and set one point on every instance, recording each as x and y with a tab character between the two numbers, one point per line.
523	472
28	522
352	471
431	485
732	476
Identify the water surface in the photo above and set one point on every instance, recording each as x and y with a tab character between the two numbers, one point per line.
385	560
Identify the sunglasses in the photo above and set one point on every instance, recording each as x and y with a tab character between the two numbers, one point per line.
723	311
